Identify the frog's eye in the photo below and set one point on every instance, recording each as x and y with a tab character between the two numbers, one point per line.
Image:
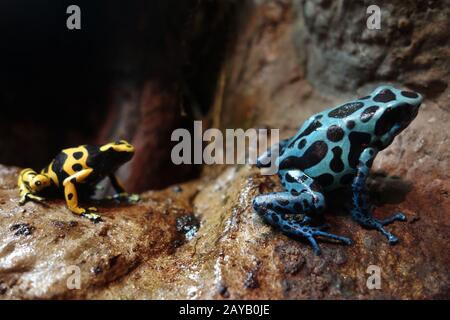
393	116
40	181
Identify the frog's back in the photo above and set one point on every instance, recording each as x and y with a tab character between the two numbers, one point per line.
328	144
70	161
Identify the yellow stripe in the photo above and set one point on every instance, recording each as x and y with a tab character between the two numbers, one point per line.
52	175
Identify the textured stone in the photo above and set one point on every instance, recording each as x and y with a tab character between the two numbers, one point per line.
138	252
40	244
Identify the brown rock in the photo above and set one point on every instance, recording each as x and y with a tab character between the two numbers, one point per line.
40	244
137	251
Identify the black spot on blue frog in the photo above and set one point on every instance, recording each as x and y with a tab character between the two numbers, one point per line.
335	149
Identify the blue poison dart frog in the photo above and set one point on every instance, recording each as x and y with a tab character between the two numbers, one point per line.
334	149
75	172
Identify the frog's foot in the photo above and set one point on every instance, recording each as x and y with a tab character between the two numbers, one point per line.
30	197
133	198
290	227
91	214
125	197
281	208
310	233
88	214
371	223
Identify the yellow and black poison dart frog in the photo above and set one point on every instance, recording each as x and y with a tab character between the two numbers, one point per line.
334	149
76	171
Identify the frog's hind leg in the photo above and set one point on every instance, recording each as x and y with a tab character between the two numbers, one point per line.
303	196
361	211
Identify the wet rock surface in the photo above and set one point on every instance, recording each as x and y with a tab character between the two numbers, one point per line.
141	251
43	245
202	240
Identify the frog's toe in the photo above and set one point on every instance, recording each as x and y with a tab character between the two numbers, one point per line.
92	216
116	196
372	223
22	200
316	247
133	198
30	197
312	241
346	241
392	239
399	216
130	198
341	239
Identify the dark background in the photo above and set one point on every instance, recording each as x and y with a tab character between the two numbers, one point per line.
60	87
53	81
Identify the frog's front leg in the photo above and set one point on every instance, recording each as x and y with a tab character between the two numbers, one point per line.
302	196
71	195
362	211
121	194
